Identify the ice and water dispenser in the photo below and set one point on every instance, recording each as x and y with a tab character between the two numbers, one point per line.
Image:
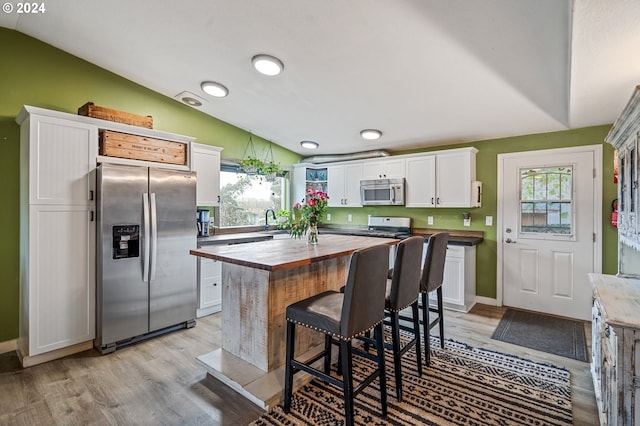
126	241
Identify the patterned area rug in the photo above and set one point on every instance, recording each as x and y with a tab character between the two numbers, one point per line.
463	386
546	333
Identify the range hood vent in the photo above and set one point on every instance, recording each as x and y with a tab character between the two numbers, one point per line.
317	159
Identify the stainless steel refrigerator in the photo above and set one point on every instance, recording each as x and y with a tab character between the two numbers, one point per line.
146	278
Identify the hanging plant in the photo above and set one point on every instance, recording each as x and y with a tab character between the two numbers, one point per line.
271	171
251	166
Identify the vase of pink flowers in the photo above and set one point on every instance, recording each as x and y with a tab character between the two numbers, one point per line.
307	216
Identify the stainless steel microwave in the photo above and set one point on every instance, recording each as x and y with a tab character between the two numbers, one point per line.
382	192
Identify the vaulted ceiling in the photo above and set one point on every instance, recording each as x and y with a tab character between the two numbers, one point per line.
424	72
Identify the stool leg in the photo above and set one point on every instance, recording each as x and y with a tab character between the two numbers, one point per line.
425	327
378	334
347	380
327	354
397	358
440	317
288	374
416	335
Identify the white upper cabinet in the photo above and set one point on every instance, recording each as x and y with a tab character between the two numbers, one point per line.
455	174
343	185
421	181
299	181
62	158
442	179
205	160
384	169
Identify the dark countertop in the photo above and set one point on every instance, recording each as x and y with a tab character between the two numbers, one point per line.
456	237
240	238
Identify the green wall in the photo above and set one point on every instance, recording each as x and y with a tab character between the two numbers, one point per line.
487	161
37	74
34	73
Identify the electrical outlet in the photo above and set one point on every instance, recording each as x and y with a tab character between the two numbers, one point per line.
467	222
488	220
328	217
429	220
349	218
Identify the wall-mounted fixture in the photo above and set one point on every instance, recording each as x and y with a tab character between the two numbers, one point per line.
370	134
267	64
190	99
214	89
466	216
309	144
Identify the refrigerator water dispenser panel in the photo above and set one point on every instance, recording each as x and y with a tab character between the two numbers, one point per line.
126	241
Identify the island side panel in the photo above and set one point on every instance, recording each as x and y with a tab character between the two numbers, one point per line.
292	285
245	313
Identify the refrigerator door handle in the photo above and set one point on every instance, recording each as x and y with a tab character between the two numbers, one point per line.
154	236
146	239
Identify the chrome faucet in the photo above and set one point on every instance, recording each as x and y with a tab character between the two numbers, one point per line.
266	218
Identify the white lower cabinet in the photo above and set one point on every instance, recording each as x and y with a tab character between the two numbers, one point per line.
58	290
209	287
459	282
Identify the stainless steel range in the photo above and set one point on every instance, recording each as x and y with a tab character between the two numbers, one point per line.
389	227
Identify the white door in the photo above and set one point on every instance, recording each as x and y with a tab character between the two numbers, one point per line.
549	229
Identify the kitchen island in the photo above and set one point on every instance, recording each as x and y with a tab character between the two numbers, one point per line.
259	280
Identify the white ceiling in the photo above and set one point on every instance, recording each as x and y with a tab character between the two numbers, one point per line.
424	72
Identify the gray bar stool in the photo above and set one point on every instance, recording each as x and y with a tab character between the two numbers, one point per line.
432	275
403	289
343	316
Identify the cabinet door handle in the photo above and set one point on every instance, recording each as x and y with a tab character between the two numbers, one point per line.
91	195
91	216
438	200
432	200
218	199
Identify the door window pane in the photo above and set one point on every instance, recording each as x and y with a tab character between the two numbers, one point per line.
545	200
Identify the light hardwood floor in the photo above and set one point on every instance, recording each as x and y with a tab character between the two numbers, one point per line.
159	381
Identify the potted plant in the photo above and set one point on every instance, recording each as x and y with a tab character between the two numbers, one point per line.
283	218
251	165
270	171
306	217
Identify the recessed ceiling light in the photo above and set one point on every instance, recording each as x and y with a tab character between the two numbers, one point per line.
267	64
309	144
214	89
370	134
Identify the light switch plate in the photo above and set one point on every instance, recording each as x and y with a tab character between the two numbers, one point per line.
488	220
328	216
349	218
429	220
467	222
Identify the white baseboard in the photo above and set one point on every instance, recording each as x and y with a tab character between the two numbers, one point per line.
487	301
8	346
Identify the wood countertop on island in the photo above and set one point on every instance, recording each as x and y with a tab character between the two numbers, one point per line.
279	254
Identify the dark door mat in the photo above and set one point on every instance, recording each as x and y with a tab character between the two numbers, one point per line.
544	333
